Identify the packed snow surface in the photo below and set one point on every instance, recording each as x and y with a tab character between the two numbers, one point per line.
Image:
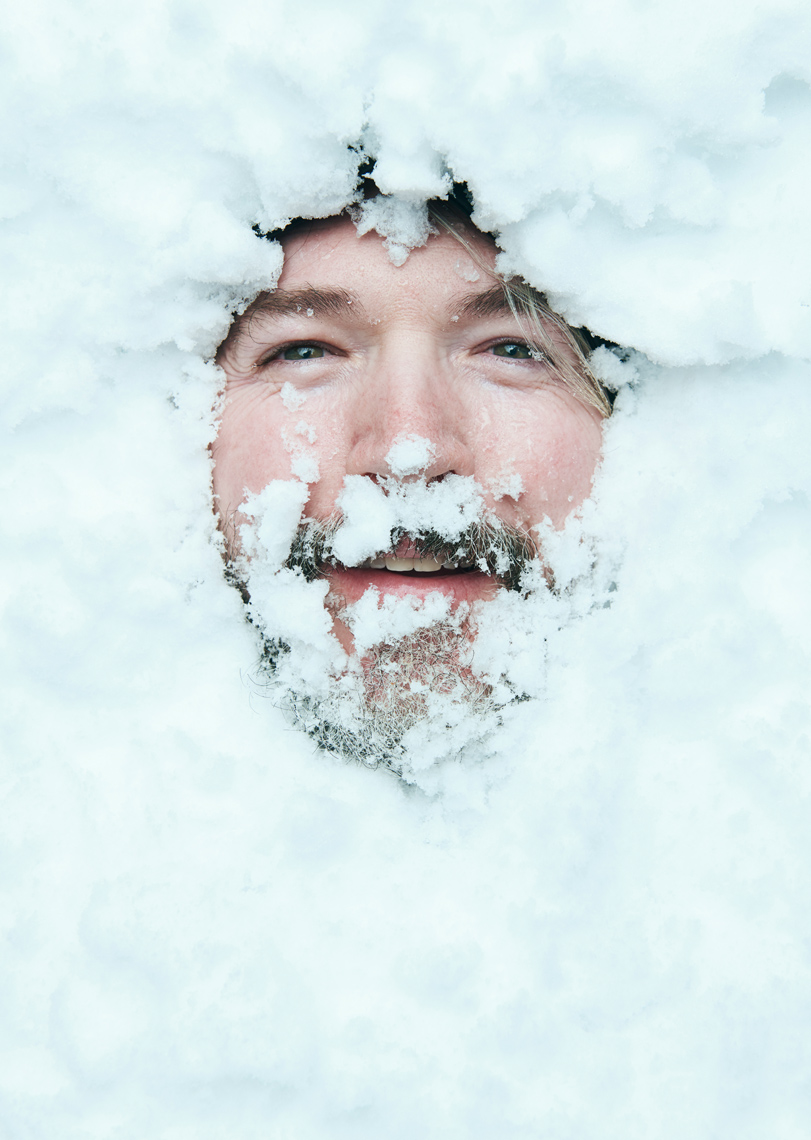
600	929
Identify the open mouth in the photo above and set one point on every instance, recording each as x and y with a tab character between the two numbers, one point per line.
418	566
411	577
486	551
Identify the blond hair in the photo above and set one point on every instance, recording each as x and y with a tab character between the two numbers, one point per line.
534	316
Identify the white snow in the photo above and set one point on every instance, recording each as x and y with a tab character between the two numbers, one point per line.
372	510
409	455
403	223
210	929
507	485
292	398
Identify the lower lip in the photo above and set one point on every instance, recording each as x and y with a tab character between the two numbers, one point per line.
469	586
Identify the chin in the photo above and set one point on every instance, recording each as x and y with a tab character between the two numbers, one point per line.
401	704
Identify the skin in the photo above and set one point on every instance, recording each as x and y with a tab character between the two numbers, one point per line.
406	356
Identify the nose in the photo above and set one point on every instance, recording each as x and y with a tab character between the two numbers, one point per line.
410	418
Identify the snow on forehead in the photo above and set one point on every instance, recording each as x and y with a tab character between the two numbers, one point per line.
402	223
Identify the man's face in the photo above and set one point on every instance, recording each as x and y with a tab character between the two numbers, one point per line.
352	358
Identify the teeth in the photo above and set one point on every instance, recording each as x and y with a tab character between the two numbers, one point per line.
403	565
426	565
421	565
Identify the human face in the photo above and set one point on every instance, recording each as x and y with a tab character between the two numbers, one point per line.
352	354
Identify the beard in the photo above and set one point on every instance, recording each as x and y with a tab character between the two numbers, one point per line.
382	714
414	695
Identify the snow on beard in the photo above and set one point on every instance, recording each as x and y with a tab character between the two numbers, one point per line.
428	679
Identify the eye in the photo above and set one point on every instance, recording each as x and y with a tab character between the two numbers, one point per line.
512	350
300	352
295	351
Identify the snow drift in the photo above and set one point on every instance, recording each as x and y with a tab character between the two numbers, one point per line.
210	929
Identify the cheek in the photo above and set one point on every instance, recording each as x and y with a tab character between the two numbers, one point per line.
554	452
559	480
259	441
248	453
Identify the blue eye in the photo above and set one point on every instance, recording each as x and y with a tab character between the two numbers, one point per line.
301	352
512	350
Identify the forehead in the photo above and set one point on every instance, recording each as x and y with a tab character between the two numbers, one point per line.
330	254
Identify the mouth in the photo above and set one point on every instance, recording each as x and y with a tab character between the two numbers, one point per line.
418	565
408	571
349	584
486	556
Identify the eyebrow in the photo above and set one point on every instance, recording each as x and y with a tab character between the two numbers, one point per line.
289	302
491	303
286	302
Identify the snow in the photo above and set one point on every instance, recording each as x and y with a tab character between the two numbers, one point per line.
410	455
599	930
403	224
372	510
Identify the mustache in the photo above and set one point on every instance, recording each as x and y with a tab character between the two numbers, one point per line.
489	545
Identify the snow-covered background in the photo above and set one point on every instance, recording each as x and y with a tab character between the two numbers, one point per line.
209	931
